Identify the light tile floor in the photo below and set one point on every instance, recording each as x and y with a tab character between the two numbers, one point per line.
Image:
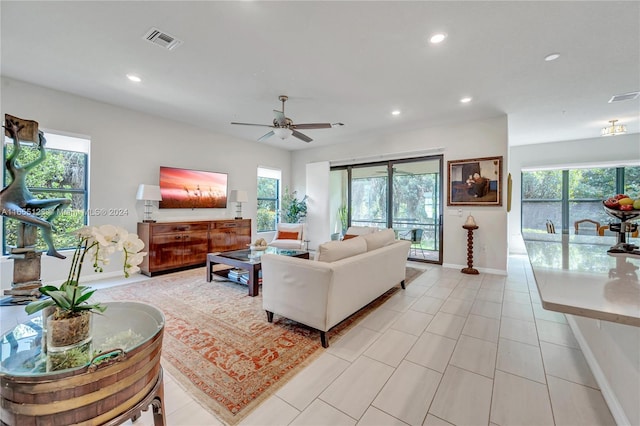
451	349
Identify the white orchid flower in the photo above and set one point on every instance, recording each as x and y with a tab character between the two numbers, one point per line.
132	244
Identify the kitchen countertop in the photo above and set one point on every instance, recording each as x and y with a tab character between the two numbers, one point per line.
575	275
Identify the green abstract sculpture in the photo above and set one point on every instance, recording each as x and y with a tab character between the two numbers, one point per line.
16	201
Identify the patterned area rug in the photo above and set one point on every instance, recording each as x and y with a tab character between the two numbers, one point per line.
218	343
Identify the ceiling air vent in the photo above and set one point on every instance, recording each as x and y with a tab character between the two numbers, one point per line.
624	97
162	39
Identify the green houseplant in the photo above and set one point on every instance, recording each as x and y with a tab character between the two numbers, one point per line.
343	216
68	308
292	209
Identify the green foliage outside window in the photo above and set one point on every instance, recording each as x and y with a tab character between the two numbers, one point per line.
592	184
267	204
61	175
542	185
632	181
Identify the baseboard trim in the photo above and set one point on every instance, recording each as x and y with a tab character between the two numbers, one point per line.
607	393
483	270
92	277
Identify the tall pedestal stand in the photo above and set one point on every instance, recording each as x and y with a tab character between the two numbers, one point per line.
470	269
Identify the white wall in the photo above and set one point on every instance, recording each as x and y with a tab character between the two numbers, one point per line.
127	148
317	189
485	138
612	151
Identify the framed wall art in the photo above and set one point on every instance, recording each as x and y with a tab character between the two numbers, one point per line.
475	182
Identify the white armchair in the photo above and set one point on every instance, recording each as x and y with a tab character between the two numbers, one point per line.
289	236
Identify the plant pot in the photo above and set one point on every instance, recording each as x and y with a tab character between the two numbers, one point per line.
75	356
69	341
67	333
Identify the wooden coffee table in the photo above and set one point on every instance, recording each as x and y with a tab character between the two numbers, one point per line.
246	259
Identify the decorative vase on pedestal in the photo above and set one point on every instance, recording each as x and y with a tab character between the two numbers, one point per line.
68	341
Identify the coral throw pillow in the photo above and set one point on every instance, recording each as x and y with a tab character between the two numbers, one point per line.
284	235
348	236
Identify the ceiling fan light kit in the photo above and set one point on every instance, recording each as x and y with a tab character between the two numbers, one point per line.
283	126
282	132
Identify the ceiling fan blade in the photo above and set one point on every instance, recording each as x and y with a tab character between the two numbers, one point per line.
301	136
266	136
312	126
280	118
252	124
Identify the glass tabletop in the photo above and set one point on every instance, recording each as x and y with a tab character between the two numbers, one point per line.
124	325
254	256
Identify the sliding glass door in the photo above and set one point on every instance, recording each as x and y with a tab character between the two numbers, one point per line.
416	207
369	196
405	195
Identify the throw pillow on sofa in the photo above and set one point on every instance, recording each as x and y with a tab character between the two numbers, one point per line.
379	239
287	235
336	250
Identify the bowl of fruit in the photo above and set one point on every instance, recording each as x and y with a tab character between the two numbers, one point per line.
622	207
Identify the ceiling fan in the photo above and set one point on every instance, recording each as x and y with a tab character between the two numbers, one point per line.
283	126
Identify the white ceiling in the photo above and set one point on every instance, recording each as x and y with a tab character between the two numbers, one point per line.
349	62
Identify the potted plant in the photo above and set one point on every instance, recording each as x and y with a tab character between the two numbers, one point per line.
343	216
68	310
292	210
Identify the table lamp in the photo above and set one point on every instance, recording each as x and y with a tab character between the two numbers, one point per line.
238	196
149	194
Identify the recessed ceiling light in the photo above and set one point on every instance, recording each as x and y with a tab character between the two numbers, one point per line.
466	99
134	78
551	57
437	38
395	112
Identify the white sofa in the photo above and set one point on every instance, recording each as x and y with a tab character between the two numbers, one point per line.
284	231
346	276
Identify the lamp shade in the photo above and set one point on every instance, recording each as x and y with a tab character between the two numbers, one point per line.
282	132
238	196
148	193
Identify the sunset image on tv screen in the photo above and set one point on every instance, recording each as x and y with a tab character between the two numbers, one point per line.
190	189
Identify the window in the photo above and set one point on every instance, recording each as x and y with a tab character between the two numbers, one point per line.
268	199
541	200
63	174
403	194
566	196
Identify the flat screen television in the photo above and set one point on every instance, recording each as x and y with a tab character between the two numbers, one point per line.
192	189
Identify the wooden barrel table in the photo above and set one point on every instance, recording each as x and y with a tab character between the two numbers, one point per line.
123	378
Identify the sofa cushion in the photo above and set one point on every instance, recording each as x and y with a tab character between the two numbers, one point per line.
361	230
287	244
336	250
380	239
349	236
287	235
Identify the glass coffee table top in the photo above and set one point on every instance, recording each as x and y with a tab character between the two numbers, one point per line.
124	325
254	256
